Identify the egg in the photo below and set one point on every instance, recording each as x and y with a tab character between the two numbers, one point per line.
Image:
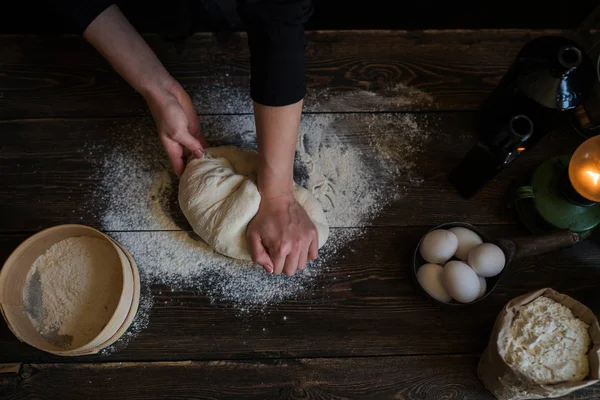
487	260
430	279
461	282
438	246
482	286
467	241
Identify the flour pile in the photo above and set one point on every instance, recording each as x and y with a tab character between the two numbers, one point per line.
353	182
73	290
182	261
137	183
354	164
337	174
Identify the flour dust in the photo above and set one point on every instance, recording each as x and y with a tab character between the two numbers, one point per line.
226	99
355	164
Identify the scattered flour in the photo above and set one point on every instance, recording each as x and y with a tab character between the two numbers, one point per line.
139	323
181	261
338	174
398	150
136	183
73	289
221	98
393	97
353	179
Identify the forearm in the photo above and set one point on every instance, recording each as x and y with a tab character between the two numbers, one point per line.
277	133
122	46
277	42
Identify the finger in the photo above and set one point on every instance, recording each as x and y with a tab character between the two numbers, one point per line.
291	262
278	258
313	250
259	253
303	257
194	128
198	135
175	153
189	142
193	120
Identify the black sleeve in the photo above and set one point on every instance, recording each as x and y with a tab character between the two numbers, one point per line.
82	12
277	42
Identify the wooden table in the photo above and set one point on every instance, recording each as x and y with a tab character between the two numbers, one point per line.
367	333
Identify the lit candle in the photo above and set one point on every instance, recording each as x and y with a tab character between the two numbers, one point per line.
584	169
594	177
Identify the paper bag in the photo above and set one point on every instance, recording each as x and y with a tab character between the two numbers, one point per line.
507	383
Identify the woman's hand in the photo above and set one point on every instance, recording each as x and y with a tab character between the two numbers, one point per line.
177	124
281	236
176	120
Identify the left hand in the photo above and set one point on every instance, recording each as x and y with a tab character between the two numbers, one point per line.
176	120
177	125
281	236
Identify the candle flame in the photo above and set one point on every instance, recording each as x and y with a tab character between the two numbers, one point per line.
594	175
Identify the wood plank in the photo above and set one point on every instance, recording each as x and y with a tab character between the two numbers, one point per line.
406	378
361	303
51	171
62	76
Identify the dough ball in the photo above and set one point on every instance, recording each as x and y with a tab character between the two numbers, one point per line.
219	197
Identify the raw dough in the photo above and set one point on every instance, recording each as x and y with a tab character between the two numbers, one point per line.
219	197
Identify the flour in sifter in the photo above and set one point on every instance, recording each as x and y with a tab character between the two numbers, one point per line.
73	289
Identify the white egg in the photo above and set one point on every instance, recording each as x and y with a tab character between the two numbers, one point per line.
467	241
438	246
487	260
430	279
460	281
482	286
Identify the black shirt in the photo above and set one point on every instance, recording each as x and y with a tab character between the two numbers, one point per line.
275	36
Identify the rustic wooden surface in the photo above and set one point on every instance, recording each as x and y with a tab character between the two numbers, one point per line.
365	297
64	177
363	331
49	76
369	378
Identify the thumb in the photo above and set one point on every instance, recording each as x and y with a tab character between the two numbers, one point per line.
174	152
190	142
259	253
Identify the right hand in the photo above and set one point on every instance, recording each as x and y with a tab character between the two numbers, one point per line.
177	124
281	236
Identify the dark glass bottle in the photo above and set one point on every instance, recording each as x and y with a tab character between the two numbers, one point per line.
549	76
